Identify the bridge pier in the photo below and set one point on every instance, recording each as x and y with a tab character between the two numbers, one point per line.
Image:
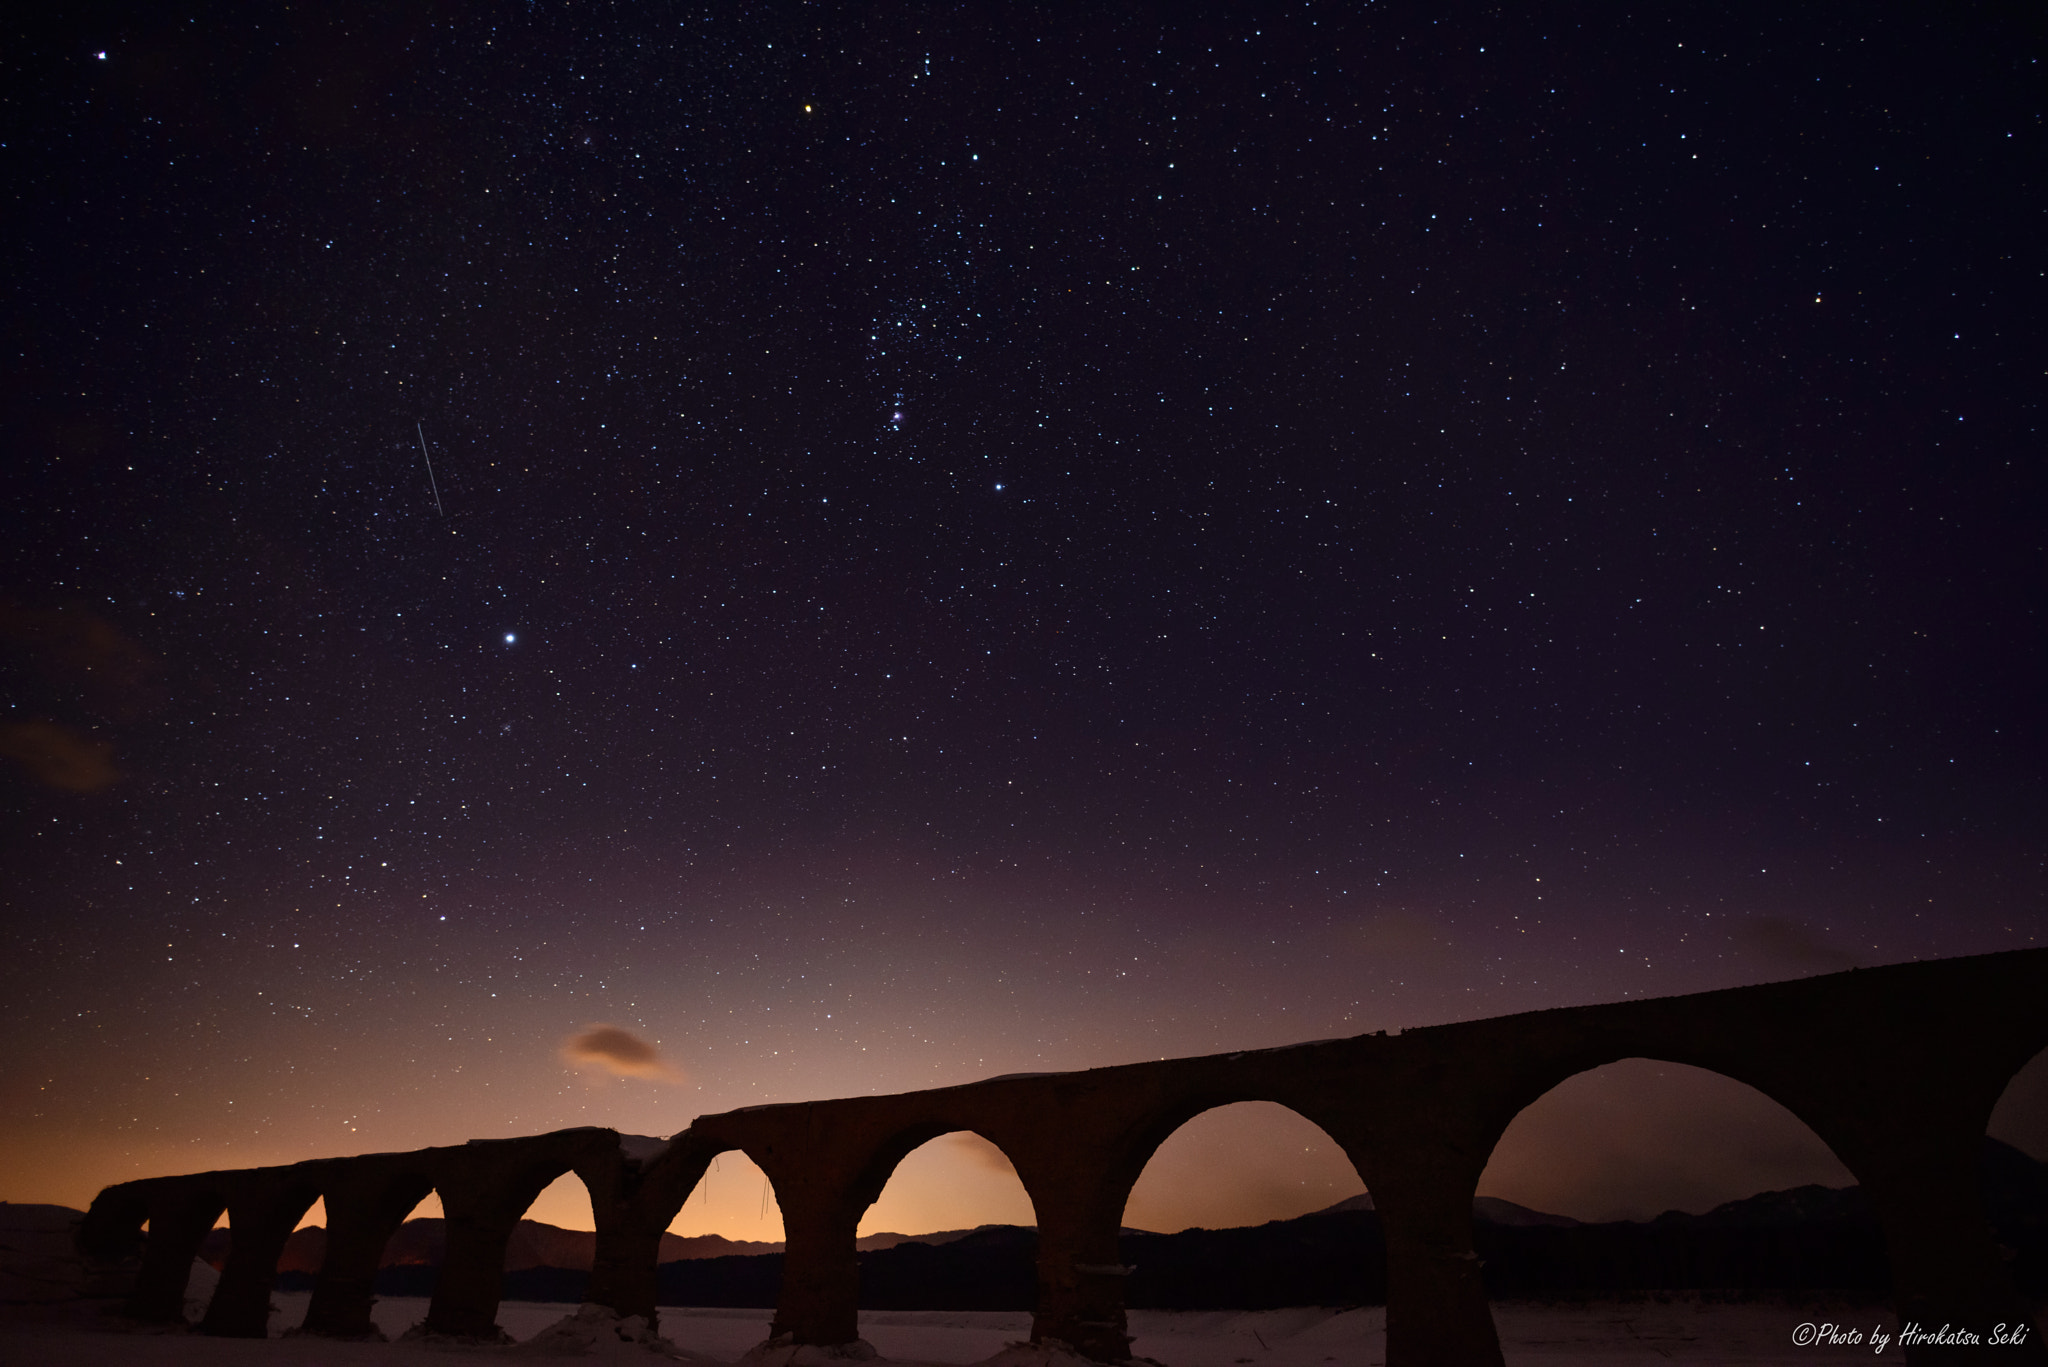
481	1216
632	1205
262	1212
180	1216
820	1302
1926	1186
1081	1285
364	1209
1438	1312
622	1272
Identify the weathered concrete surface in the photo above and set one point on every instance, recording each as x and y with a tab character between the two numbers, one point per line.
367	1200
1896	1069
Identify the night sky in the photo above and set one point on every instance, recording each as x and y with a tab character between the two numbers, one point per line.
963	541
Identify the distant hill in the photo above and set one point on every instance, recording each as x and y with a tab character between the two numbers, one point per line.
1487	1208
423	1243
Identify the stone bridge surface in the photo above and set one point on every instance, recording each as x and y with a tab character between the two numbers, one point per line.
1897	1069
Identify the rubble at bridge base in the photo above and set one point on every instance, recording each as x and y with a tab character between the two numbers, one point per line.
784	1351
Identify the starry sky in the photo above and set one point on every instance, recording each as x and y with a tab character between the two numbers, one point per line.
600	564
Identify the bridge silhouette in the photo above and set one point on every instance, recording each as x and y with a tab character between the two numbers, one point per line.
1896	1069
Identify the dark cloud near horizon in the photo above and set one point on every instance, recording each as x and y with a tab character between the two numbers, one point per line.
1786	942
87	657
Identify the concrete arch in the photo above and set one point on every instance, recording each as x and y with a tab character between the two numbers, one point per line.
1841	1053
485	1187
483	1197
824	1182
1896	1069
1082	1278
264	1206
113	1233
631	1209
366	1203
179	1212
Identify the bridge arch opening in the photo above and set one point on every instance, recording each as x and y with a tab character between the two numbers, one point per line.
1239	1164
953	1182
2020	1118
301	1253
1252	1206
722	1208
563	1203
2014	1178
733	1200
314	1216
1595	1188
414	1251
970	1223
555	1239
1632	1139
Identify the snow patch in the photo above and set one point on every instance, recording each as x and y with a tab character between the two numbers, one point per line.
642	1148
434	1338
1044	1353
598	1331
199	1289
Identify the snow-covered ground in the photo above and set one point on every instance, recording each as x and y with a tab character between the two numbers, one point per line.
1602	1334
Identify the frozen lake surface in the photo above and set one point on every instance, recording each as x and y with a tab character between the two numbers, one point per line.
1599	1334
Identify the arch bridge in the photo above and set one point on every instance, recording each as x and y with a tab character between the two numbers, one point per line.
1896	1069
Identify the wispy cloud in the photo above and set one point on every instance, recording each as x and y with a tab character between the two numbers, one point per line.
59	755
980	1152
609	1049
